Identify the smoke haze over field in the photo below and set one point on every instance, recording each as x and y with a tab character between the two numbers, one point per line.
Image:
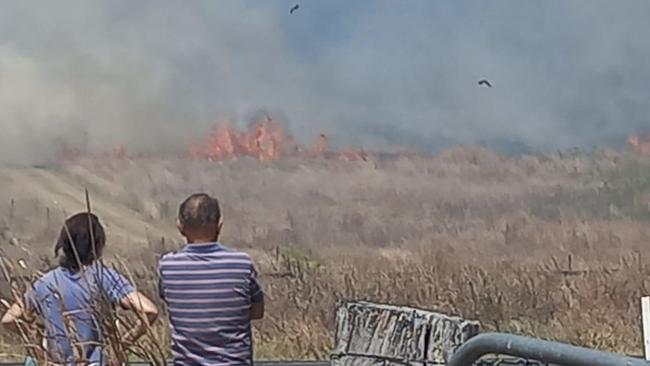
153	74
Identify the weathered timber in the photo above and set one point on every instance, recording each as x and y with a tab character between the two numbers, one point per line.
378	334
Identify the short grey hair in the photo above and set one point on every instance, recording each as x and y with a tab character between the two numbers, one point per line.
198	211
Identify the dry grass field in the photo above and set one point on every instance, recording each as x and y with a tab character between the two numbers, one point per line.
465	232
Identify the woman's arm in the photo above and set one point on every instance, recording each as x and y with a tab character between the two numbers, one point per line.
146	311
11	317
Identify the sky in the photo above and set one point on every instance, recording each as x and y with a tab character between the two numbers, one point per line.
153	74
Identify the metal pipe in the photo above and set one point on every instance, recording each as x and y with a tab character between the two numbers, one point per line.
535	349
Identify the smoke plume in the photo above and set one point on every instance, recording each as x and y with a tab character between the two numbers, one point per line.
154	74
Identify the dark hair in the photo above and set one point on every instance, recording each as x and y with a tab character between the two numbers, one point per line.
199	211
82	241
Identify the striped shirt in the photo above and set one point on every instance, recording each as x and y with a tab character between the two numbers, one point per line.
209	290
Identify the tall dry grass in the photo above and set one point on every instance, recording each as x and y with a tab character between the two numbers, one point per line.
467	232
112	325
41	337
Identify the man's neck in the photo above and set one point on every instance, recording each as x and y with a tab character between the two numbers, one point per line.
201	241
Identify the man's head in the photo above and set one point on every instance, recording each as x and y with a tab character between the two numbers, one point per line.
81	240
199	218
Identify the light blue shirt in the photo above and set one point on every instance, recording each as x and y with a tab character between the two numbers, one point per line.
61	294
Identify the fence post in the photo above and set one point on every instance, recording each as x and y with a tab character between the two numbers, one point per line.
645	319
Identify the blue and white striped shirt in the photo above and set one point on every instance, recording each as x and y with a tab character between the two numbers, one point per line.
209	290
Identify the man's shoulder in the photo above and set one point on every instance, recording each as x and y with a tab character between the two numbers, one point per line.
224	253
168	255
235	254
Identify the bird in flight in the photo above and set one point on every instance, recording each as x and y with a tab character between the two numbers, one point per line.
295	7
484	82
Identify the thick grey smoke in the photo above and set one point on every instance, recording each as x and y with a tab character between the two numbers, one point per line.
152	74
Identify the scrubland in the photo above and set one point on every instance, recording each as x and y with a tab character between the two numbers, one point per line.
552	246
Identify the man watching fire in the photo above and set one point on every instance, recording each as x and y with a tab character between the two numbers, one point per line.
211	292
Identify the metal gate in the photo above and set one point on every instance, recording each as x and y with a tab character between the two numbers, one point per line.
501	344
551	353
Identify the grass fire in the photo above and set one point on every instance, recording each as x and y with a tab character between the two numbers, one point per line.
211	182
264	140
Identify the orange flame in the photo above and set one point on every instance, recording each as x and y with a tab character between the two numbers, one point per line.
321	147
264	140
640	143
354	155
120	152
219	145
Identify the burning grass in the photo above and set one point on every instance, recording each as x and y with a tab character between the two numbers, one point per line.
467	232
264	140
640	143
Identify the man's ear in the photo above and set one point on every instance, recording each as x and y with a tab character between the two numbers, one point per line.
220	226
179	226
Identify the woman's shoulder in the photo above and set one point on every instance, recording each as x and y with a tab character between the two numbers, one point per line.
46	278
49	281
112	281
101	270
109	277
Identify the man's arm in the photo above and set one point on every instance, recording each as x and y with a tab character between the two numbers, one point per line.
161	288
120	291
257	296
146	311
257	310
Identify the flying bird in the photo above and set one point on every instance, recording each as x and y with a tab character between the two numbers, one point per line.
295	7
484	82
